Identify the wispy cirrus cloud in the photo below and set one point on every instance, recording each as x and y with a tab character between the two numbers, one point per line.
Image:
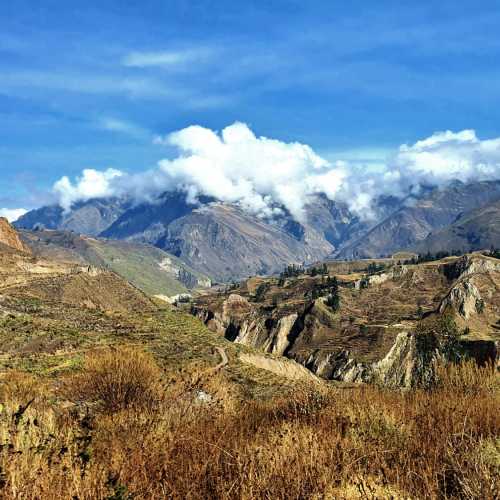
145	87
167	58
86	83
123	126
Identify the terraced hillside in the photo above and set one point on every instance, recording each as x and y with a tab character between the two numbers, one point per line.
378	314
150	269
52	312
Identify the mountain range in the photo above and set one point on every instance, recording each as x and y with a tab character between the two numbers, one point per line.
225	242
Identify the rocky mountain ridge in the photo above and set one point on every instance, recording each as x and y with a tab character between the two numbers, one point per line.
408	227
227	243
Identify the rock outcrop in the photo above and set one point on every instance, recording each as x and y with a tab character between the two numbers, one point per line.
378	279
9	236
279	342
239	320
464	298
405	365
338	366
182	274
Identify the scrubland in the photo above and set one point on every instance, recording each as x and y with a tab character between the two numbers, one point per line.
122	427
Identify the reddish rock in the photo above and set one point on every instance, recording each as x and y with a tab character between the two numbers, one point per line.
9	236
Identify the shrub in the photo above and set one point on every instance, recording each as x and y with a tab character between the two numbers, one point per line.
19	386
333	302
480	306
117	379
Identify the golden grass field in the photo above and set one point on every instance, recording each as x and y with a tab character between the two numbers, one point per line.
122	427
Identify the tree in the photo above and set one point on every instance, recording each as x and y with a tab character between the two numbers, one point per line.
333	302
364	282
420	312
333	297
480	306
334	284
260	292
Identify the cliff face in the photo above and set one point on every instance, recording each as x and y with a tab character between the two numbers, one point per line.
463	298
375	335
9	236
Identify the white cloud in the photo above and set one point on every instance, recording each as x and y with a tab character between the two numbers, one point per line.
122	126
257	172
264	175
16	82
12	214
165	58
447	156
91	184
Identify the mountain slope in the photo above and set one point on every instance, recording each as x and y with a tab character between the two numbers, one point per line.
409	225
150	269
233	244
148	222
32	279
475	230
52	312
91	217
228	243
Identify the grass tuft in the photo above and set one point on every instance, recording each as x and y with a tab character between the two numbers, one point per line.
116	379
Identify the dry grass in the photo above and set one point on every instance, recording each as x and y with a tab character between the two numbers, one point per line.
322	443
117	379
19	386
468	377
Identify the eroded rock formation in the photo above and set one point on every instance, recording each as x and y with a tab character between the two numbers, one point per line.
9	236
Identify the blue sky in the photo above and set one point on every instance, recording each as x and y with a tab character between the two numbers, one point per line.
89	84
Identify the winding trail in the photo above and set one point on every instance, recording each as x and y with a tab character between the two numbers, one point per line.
224	360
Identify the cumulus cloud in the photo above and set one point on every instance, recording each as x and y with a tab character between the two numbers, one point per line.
447	156
12	214
265	175
259	173
91	184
